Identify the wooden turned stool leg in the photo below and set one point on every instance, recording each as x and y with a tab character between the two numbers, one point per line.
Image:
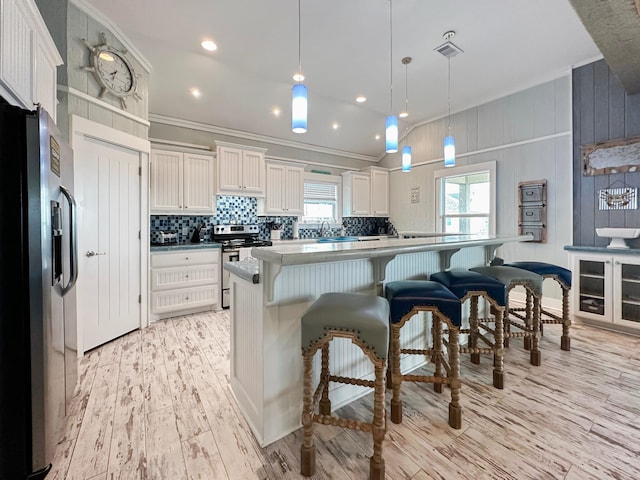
436	351
473	326
376	463
506	324
455	410
307	449
498	365
325	403
396	377
528	320
535	355
565	340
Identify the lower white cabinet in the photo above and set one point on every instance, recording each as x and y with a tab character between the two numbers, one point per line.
184	282
606	288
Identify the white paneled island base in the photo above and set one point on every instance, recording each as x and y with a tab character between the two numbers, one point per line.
266	359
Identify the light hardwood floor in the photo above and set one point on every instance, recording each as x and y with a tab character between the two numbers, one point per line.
155	404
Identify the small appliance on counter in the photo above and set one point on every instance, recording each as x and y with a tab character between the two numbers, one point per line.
199	234
164	238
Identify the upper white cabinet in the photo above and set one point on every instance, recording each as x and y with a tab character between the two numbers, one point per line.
182	183
28	57
366	193
379	192
284	194
356	194
241	170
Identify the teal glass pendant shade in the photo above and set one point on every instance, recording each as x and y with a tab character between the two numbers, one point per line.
449	151
299	108
406	159
391	134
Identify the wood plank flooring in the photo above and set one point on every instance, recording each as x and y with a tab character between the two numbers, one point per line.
155	404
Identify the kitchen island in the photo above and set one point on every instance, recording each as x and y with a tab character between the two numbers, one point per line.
266	362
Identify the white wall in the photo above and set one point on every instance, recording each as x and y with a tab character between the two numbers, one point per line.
528	134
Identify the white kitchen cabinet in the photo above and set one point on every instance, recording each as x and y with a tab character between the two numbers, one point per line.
356	194
365	193
184	282
379	192
241	170
28	57
284	190
606	288
182	183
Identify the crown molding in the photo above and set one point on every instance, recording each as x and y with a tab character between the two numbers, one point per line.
178	122
96	14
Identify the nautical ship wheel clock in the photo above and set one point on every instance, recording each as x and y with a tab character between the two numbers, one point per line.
113	71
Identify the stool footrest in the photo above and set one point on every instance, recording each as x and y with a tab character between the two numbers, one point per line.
414	351
424	378
342	422
476	350
352	381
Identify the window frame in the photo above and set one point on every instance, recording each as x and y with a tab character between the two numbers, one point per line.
310	177
475	168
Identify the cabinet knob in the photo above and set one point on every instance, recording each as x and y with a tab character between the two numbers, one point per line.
617	262
186	276
607	262
186	258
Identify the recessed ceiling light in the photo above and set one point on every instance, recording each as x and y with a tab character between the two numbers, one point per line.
377	137
209	45
298	77
195	92
403	114
361	99
335	126
276	111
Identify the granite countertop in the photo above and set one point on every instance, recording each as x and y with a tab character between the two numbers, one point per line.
609	251
247	269
175	247
311	253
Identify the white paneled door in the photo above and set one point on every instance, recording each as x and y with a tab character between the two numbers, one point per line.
108	188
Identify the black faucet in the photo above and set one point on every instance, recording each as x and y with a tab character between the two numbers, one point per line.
195	238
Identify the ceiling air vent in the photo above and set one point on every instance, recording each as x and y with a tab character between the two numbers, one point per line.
449	49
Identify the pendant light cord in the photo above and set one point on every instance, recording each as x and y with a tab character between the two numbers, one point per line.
299	43
449	95
391	56
406	88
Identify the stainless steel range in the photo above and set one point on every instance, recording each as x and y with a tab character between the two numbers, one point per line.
237	241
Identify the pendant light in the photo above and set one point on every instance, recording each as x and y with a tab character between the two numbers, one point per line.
449	49
449	142
299	94
406	150
391	130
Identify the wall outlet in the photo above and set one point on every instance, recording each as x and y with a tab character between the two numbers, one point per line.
185	230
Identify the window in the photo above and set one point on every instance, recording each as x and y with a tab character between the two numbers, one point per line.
321	198
465	199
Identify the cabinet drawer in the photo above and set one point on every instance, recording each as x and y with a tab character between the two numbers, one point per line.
531	193
184	298
537	231
184	258
531	214
182	277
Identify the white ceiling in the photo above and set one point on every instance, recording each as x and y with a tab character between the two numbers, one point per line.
508	45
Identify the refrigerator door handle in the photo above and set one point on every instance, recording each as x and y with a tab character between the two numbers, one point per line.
73	242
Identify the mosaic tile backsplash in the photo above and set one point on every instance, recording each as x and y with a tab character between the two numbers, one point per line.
243	211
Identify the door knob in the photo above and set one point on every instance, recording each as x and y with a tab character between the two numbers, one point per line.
91	253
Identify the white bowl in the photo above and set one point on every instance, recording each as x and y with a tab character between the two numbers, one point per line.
618	235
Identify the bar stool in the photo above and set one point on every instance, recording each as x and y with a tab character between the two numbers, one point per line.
407	298
363	319
472	286
563	277
529	323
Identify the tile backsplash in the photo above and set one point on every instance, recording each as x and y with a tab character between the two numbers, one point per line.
243	211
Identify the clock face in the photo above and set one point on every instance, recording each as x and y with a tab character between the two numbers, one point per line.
114	72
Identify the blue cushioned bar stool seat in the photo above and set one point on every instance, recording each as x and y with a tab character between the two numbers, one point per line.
472	286
406	299
363	319
563	277
528	325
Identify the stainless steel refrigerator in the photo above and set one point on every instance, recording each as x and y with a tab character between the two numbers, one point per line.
38	270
